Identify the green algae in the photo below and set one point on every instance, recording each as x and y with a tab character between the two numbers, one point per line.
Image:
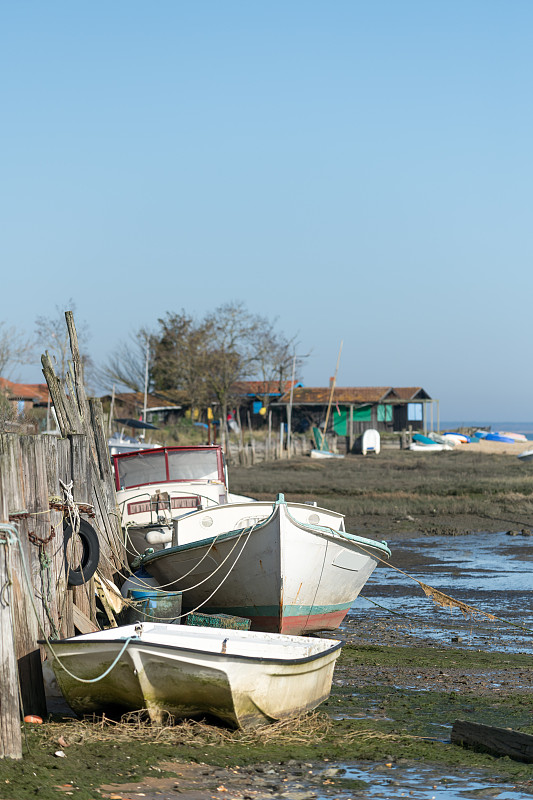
433	657
374	722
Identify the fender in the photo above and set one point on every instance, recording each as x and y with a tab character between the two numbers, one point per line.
90	555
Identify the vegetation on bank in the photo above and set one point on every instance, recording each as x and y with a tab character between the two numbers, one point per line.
450	492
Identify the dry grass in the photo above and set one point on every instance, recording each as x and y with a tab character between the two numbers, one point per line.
136	726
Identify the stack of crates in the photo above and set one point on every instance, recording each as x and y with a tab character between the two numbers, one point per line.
218	621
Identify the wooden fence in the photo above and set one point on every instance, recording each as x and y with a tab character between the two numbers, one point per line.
37	474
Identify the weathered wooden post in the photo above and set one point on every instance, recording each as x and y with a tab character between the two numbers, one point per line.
25	574
10	734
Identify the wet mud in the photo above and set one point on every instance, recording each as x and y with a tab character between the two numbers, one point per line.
410	667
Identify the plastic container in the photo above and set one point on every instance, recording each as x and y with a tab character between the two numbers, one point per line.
154	606
140	580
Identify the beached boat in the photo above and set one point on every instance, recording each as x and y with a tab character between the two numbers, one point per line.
526	455
289	567
241	677
430	447
154	486
370	442
325	454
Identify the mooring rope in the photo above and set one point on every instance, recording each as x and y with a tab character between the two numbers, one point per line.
444	600
12	538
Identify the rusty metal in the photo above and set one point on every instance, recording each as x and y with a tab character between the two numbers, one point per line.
34	539
84	508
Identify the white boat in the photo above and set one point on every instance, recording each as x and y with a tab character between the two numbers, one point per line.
119	443
325	454
154	486
289	567
526	455
370	442
243	678
436	447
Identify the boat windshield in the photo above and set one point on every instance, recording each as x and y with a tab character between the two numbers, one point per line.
183	465
186	465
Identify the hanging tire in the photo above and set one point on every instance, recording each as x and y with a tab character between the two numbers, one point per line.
90	555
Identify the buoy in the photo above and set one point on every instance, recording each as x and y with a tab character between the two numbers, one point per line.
33	718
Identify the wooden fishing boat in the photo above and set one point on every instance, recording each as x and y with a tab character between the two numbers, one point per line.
242	677
289	567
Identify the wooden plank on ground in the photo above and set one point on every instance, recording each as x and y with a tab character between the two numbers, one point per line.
498	741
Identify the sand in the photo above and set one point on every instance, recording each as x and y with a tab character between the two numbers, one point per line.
501	448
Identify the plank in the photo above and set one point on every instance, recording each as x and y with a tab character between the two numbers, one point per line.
82	622
498	741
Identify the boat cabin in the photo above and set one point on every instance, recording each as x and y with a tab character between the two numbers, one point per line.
153	485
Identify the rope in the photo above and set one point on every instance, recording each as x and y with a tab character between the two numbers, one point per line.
161	587
12	538
445	600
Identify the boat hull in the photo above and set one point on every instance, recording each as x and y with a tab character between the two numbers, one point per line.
240	677
286	576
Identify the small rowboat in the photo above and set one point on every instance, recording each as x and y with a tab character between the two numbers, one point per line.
243	678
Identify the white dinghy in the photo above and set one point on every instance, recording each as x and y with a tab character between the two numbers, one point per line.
241	677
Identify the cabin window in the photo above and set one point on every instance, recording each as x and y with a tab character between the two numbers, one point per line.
188	465
414	412
145	468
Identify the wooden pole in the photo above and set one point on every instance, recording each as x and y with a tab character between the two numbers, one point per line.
10	733
331	398
26	566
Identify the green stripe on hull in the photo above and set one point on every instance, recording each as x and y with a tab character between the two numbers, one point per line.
272	611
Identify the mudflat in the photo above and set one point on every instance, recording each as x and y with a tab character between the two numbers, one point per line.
408	670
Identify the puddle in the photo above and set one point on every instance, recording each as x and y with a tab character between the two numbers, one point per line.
491	571
420	783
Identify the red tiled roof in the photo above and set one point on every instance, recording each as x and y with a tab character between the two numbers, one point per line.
263	387
355	395
38	392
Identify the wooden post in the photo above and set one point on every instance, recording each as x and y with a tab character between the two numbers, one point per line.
77	414
10	733
26	567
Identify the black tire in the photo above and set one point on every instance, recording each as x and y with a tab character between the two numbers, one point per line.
90	556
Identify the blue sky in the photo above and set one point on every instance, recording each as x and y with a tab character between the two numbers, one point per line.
360	171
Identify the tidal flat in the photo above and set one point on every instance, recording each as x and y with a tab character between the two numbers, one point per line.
408	670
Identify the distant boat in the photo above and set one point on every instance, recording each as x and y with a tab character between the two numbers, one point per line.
325	454
370	442
243	678
289	567
433	447
496	437
516	437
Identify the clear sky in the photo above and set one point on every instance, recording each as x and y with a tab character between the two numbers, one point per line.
361	171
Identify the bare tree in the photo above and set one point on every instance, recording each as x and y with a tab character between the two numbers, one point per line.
52	334
126	366
273	357
14	349
229	352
